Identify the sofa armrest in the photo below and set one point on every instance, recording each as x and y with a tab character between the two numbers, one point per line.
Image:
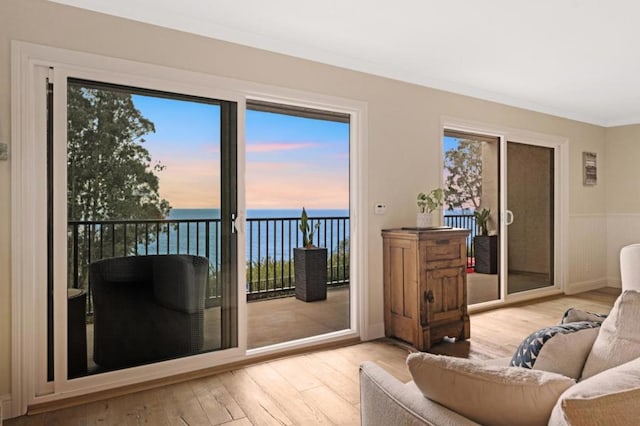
384	400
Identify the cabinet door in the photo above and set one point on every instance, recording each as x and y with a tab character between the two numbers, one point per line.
444	294
401	289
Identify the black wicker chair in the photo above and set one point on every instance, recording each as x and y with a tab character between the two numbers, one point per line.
147	308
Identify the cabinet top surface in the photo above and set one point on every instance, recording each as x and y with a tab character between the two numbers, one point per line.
417	232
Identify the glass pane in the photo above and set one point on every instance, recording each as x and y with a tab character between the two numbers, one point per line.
530	238
295	162
471	186
144	235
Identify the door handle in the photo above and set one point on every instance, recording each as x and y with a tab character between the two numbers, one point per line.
428	296
509	218
238	223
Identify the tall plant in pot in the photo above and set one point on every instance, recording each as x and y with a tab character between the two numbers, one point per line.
310	264
485	246
427	203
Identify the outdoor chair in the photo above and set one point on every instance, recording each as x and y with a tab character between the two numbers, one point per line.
147	308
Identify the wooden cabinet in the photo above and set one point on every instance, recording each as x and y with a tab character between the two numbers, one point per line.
425	285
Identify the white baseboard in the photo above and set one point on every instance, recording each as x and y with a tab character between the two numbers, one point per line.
614	282
583	286
374	331
5	407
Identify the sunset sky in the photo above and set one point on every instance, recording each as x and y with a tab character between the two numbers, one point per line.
290	161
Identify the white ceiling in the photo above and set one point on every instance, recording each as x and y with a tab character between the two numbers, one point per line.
578	59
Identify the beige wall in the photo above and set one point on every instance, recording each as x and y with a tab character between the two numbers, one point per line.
622	173
403	135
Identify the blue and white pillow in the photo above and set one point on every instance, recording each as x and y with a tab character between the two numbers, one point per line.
559	349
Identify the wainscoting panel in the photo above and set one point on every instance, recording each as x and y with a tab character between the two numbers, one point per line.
622	229
587	253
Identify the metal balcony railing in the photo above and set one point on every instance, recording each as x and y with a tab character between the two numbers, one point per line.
466	221
269	248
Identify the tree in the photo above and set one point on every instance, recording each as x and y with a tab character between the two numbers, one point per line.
110	175
109	172
463	166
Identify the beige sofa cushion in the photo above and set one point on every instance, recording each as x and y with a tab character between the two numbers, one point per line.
488	394
385	401
618	340
561	349
608	398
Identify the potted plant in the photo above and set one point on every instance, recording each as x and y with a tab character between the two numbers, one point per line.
310	264
427	203
485	246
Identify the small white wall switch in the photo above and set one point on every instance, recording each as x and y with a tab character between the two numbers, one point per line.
4	151
380	208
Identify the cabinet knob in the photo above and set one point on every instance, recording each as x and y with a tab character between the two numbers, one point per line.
428	296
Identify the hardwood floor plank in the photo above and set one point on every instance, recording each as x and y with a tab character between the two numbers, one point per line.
288	398
294	369
259	407
339	411
216	412
182	405
240	422
74	416
219	406
336	381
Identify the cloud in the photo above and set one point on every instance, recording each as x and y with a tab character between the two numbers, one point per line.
313	189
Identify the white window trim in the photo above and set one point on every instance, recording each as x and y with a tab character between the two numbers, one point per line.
26	194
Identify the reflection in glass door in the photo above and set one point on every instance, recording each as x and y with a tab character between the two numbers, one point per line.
530	217
150	244
472	186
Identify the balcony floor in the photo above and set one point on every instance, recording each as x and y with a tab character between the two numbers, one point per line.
285	319
272	321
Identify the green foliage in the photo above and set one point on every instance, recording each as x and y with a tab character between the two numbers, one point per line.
463	167
482	217
110	174
428	203
307	230
270	274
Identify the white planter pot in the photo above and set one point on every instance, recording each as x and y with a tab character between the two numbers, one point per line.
424	220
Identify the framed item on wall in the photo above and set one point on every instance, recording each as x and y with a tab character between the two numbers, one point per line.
590	168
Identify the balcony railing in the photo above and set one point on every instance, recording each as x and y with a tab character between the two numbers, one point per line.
269	249
466	221
269	253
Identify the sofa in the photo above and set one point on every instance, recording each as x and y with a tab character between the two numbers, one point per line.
147	308
587	373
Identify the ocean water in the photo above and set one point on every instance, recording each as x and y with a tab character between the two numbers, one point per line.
269	233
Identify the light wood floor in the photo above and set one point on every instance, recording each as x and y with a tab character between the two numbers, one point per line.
319	388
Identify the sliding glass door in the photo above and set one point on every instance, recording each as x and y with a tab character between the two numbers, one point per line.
297	157
150	248
472	187
132	239
504	192
530	217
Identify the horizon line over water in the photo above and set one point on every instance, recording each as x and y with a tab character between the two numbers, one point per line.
214	213
270	237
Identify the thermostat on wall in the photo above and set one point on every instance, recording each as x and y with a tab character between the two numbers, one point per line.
380	208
